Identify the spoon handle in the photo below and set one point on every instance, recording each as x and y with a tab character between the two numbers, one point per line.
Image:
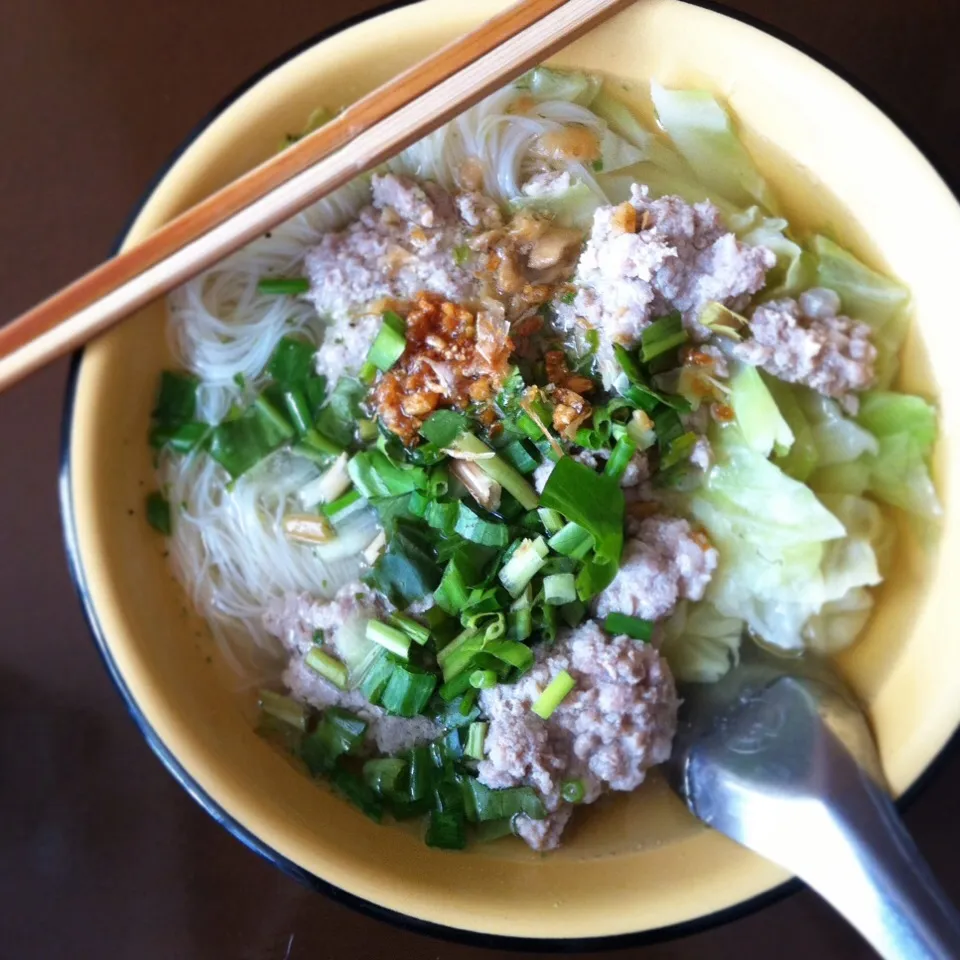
793	775
869	869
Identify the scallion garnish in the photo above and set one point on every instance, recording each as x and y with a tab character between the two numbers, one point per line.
328	667
474	528
443	427
679	449
158	513
483	679
284	708
341	503
390	638
559	588
445	830
389	344
662	335
498	469
417	632
476	735
279	286
407	691
383	775
337	733
523	566
553	695
483	804
572	541
635	627
620	458
572	791
552	521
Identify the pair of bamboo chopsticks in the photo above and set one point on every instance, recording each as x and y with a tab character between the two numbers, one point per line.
363	136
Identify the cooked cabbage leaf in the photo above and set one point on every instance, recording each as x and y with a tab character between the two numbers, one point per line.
704	135
699	643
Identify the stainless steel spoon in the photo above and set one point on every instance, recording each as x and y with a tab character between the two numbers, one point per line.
779	757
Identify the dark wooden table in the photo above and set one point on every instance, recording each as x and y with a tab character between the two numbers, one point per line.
102	855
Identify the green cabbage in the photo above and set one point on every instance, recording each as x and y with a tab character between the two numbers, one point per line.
617	153
905	428
570	208
758	416
784	555
699	643
705	137
796	267
868	296
573	85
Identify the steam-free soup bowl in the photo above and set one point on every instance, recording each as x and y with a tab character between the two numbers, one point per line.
635	865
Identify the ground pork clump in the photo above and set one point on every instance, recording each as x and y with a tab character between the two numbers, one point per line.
403	244
616	723
296	619
649	258
664	563
810	342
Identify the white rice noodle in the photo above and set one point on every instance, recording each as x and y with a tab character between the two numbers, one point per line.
230	553
501	141
221	327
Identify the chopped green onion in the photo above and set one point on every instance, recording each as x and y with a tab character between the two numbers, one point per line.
354	789
461	254
572	791
572	541
328	667
668	427
491	830
367	430
620	458
520	624
476	735
383	775
396	641
389	344
176	398
337	733
279	286
477	530
158	513
446	831
662	335
341	503
568	297
553	695
285	709
421	773
499	470
523	566
468	708
443	427
679	449
182	439
559	588
377	677
483	679
552	521
573	612
417	632
276	419
367	373
517	455
407	691
291	363
483	804
451	595
635	627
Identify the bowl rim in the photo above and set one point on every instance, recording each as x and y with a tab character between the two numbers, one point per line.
166	756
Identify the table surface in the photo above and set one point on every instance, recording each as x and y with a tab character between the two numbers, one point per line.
102	854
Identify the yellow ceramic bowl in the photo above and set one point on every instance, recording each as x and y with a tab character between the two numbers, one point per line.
636	863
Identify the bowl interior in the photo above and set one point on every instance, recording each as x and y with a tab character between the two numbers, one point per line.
635	862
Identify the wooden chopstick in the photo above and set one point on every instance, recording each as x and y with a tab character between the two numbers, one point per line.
366	134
